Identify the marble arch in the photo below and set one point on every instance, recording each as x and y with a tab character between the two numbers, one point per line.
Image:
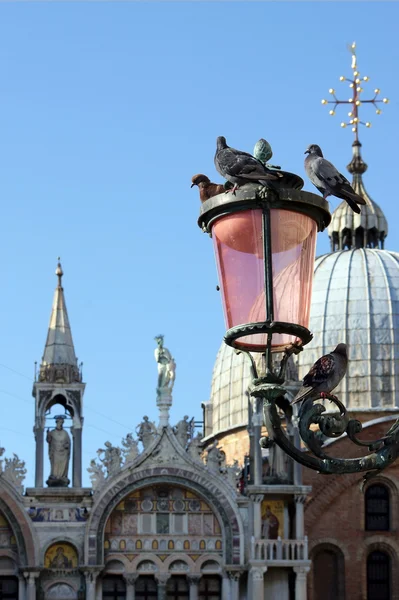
215	497
10	506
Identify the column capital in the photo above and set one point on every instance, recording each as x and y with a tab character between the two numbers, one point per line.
300	498
162	578
130	578
257	498
234	575
91	574
31	576
193	579
301	571
257	573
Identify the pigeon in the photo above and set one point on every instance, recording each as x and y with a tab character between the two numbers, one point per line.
328	180
324	376
240	167
207	189
263	151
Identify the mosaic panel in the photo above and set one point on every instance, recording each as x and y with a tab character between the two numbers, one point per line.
161	518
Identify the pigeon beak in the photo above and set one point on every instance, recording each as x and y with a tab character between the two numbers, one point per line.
307	151
192	185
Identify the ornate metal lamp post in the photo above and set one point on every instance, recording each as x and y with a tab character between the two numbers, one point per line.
264	243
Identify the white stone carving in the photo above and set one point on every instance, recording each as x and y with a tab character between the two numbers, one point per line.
61	591
195	448
147	567
180	566
130	449
146	432
14	471
112	460
97	475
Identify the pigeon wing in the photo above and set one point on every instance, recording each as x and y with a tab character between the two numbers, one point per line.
242	164
320	372
334	180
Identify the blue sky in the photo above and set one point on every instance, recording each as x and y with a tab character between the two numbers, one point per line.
106	111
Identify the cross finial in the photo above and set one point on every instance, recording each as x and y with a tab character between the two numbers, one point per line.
355	83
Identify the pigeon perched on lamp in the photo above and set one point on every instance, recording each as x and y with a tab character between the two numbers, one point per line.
207	189
328	180
240	167
324	376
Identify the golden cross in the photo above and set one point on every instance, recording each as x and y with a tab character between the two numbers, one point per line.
355	101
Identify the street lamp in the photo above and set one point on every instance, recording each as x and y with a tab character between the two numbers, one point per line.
264	242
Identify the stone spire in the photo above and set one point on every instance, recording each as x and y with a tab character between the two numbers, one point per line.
59	363
349	230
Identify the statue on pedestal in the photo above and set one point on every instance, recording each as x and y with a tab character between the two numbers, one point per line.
215	458
130	448
97	475
184	430
59	450
146	432
166	367
112	458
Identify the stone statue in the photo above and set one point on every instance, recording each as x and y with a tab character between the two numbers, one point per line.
278	461
166	367
112	460
195	447
146	432
59	450
130	448
183	431
216	458
97	475
233	473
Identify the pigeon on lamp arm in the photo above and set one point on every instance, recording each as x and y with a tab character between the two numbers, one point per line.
324	376
328	180
240	167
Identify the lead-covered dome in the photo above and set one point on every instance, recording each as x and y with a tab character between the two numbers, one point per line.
356	300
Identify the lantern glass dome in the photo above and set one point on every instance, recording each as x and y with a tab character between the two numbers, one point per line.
245	277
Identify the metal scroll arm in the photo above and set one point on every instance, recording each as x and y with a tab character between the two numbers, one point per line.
269	391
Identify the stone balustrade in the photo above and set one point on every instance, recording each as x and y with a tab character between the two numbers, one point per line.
287	551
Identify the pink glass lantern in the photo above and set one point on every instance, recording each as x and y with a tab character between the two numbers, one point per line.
265	259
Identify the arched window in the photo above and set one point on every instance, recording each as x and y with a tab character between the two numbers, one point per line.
378	576
328	573
114	588
377	508
177	588
210	588
146	588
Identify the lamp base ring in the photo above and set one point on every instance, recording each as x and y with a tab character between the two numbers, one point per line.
232	336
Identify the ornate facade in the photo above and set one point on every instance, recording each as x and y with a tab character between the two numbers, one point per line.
169	515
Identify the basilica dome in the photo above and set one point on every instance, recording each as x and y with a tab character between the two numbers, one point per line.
356	300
